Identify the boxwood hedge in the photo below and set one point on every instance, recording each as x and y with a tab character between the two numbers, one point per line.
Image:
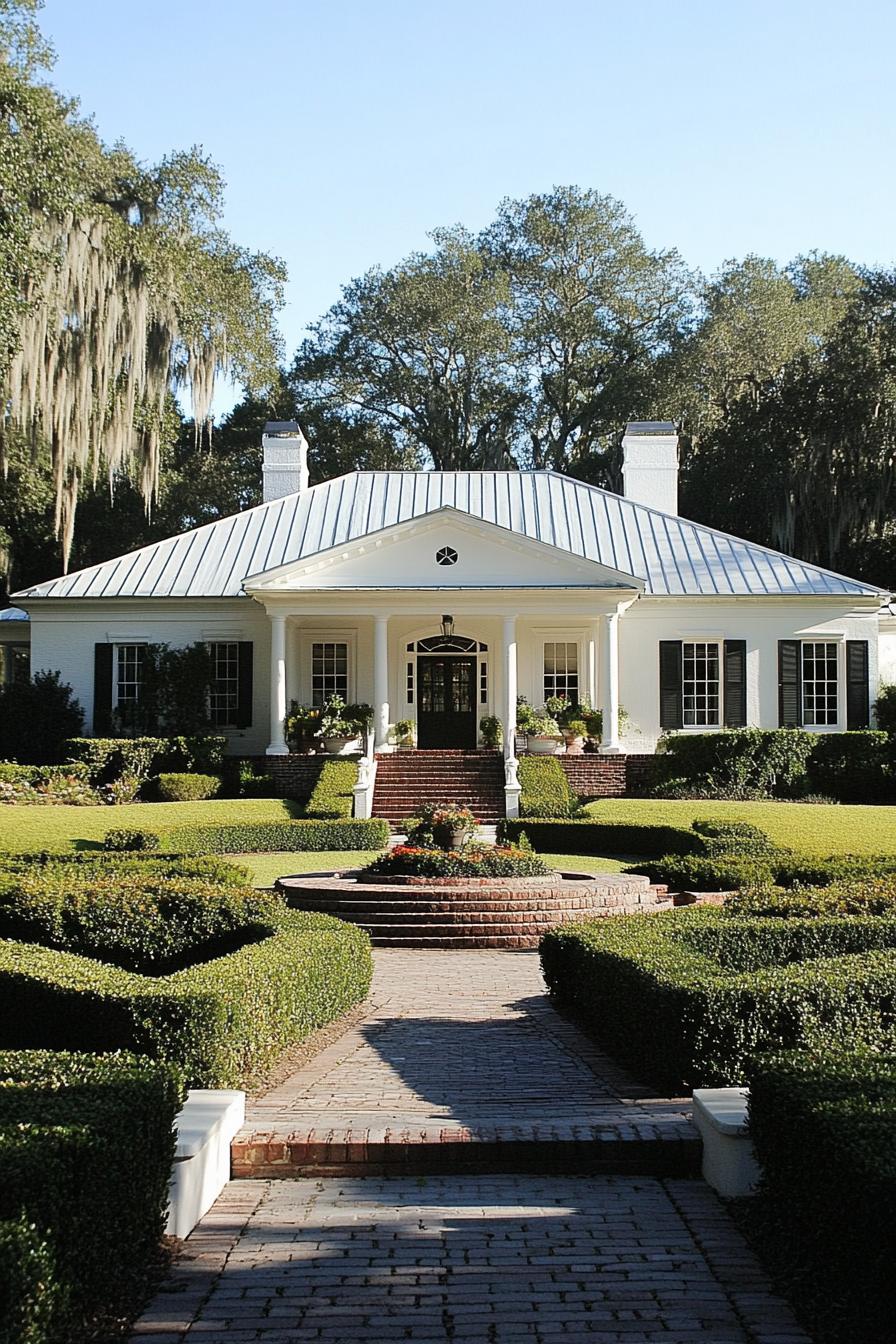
688	998
221	1021
266	836
823	1125
86	1149
591	836
333	793
546	790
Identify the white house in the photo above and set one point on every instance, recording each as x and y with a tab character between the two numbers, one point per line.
441	596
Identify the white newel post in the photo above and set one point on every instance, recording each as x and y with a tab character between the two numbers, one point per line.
278	745
381	682
511	777
610	689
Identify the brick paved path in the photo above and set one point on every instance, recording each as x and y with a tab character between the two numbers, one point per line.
483	1259
463	1046
455	1047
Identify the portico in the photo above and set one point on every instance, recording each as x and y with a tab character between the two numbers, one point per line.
445	659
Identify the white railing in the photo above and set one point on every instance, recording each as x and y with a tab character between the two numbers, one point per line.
366	781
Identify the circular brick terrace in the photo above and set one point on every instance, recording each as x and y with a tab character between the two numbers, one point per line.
510	912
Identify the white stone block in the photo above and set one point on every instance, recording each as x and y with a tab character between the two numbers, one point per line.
729	1159
205	1127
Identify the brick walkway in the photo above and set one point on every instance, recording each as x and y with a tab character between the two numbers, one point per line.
462	1048
482	1259
458	1054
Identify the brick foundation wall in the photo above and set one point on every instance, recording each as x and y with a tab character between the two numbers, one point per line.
294	776
607	776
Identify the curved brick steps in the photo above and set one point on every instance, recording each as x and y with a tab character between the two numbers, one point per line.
452	916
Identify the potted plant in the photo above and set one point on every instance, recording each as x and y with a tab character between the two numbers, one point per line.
442	826
574	733
301	726
491	731
341	726
543	735
403	734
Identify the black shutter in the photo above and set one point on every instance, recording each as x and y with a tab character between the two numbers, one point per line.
858	707
735	683
790	690
244	693
670	683
102	689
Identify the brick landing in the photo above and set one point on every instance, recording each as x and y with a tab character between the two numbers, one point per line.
462	1064
468	1260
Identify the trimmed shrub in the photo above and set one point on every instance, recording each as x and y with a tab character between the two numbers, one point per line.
220	871
86	1149
823	1125
735	837
30	1296
36	719
45	784
139	921
184	788
590	835
107	758
332	795
491	861
125	839
871	896
853	767
545	788
737	763
885	710
700	872
689	998
222	1022
290	836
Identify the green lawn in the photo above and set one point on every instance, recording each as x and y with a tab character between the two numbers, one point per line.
34	828
266	868
814	828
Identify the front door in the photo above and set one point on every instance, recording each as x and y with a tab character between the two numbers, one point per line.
446	706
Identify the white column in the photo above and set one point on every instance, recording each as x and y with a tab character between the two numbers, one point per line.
510	686
278	745
593	654
511	777
380	682
609	702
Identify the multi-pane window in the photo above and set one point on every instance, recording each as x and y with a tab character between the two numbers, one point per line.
329	671
15	663
224	683
128	674
819	683
700	684
561	670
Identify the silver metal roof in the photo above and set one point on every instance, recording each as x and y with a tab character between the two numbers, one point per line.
672	556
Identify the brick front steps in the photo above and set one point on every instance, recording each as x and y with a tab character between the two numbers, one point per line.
407	779
508	913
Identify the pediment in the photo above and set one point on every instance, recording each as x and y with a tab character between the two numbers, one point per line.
444	549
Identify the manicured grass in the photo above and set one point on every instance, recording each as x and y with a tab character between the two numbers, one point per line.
266	868
56	828
812	828
586	863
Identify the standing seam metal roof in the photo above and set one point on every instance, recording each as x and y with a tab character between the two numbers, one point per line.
672	556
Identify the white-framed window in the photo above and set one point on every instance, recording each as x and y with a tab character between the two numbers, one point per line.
700	684
15	663
561	669
224	682
128	674
820	682
329	670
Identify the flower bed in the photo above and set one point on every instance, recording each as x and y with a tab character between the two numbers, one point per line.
483	863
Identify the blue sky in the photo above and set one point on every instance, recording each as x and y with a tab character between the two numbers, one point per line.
347	130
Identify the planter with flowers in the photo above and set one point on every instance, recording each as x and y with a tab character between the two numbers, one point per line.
342	726
543	736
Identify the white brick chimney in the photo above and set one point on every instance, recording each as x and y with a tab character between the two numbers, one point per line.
285	469
650	464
